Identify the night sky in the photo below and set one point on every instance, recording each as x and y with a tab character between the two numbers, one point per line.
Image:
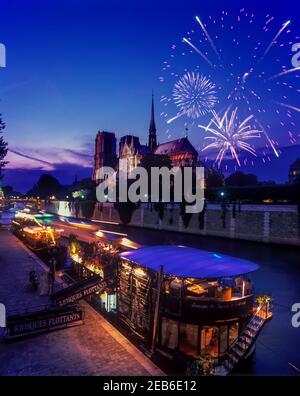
74	67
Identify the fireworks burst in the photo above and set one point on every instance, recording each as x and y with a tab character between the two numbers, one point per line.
194	95
248	57
230	136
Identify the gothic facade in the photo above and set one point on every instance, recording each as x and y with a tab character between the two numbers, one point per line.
132	151
181	152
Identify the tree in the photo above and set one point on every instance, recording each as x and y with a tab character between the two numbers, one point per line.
46	187
83	190
240	179
8	191
154	160
3	148
214	178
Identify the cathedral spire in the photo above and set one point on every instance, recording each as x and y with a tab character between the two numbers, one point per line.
152	129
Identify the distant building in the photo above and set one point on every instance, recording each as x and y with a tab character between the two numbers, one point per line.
294	174
105	151
181	152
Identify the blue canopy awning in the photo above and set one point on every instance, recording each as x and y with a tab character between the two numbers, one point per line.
186	262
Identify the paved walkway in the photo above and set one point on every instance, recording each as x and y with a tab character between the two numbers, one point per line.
96	348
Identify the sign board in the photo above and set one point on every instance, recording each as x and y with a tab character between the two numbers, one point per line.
81	290
134	300
43	321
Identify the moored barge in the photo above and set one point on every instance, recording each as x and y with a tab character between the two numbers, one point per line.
35	230
191	307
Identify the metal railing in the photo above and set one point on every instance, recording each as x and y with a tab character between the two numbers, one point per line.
247	336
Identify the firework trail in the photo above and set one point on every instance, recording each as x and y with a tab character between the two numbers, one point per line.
198	51
284	73
194	95
284	26
268	138
208	36
230	136
288	106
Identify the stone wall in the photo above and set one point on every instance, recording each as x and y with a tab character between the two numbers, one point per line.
264	223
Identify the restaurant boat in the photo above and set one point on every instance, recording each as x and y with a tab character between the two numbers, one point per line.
187	305
34	229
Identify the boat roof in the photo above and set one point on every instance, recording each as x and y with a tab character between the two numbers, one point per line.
186	262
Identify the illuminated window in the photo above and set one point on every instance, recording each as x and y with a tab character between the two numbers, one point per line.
223	339
188	339
209	341
233	333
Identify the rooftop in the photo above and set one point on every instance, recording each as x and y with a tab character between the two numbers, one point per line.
188	262
175	146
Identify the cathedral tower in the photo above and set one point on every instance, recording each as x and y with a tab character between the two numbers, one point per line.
152	130
105	151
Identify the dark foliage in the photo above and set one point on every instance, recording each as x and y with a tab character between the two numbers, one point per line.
214	179
151	161
202	217
8	191
258	194
160	208
186	217
125	211
240	179
234	210
46	187
87	209
223	214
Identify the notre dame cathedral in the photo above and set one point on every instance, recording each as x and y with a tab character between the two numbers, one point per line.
181	152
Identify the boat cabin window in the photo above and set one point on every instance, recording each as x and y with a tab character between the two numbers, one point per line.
188	339
209	341
224	289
